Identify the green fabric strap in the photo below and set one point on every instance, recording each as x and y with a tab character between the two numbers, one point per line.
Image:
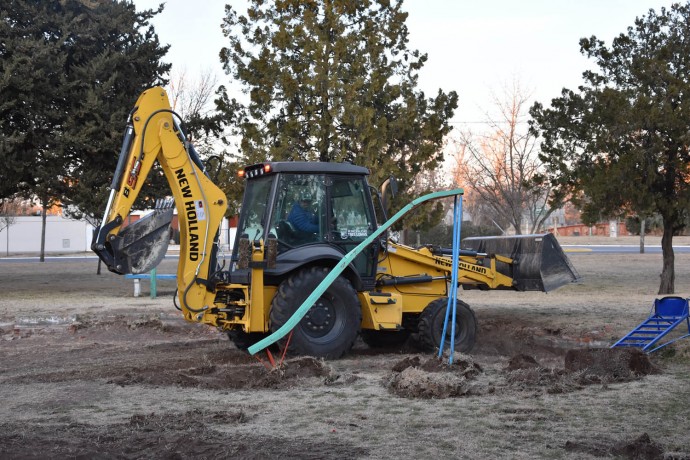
340	267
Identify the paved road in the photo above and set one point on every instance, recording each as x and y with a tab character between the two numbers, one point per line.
619	249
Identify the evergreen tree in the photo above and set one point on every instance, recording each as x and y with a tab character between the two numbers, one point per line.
622	138
333	80
70	72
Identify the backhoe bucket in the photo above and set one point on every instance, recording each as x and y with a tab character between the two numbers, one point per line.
141	246
539	263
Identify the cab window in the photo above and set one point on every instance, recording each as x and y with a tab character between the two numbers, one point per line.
353	221
300	210
255	208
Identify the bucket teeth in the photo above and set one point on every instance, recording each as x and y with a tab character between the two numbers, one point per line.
165	203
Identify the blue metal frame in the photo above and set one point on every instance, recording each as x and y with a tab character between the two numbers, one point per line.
666	314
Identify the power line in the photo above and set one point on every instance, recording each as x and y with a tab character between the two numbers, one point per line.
489	122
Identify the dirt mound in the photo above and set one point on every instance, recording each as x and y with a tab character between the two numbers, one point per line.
423	377
609	364
640	448
214	376
154	436
522	361
417	377
582	367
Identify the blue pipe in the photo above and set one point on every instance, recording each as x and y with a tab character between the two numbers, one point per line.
453	292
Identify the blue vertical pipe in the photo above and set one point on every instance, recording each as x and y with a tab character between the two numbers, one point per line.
453	291
457	226
450	290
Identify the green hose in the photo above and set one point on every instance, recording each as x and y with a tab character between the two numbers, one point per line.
340	267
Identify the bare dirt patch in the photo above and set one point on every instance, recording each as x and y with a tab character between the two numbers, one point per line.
229	375
192	434
640	448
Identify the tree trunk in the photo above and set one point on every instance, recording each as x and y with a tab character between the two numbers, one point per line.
517	225
643	221
44	210
667	285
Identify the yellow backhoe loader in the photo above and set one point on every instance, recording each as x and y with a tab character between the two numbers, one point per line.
298	220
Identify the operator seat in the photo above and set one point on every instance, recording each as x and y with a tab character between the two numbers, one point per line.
287	232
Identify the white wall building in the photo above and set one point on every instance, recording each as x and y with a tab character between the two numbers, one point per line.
66	236
62	235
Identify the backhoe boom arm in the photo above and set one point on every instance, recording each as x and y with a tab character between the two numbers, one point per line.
152	134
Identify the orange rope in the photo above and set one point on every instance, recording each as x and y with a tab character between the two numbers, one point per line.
287	344
262	362
270	358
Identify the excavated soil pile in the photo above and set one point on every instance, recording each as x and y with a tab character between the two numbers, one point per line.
609	364
641	448
525	373
417	377
582	367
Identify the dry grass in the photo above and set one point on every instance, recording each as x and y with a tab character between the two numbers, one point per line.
356	416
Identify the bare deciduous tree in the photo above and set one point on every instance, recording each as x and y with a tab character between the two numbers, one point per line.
207	129
496	168
431	214
192	99
9	210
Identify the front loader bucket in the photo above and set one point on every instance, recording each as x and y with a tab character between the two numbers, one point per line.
140	246
539	263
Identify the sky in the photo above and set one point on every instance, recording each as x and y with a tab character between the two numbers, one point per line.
475	48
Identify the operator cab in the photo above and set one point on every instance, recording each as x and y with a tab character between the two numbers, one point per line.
309	207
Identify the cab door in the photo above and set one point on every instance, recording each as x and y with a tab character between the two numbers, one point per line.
350	219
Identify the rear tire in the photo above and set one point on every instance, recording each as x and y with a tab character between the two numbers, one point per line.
431	326
330	327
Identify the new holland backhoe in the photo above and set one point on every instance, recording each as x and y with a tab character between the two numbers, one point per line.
387	293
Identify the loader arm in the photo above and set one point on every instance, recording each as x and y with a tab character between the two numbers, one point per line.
152	134
405	261
522	263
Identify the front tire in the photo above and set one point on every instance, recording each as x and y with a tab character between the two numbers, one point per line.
431	326
330	327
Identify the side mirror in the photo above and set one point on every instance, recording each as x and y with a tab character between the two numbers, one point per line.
392	184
